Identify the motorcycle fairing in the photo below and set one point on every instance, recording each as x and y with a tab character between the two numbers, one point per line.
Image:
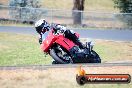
66	43
47	43
59	39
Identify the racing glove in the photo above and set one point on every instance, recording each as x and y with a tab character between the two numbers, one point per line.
40	40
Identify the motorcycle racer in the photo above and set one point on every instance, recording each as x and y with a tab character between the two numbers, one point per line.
42	26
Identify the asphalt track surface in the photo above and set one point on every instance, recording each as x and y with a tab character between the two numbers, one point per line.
116	35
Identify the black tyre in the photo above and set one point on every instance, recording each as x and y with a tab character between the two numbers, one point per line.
94	58
55	62
55	53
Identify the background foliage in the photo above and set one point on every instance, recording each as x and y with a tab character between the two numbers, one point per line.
125	6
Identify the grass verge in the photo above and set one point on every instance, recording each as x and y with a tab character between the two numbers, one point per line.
18	49
22	49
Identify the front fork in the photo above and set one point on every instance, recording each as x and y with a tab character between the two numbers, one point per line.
89	46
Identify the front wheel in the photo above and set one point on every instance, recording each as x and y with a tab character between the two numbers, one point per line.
94	57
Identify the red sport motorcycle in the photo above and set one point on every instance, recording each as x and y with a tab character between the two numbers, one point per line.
65	51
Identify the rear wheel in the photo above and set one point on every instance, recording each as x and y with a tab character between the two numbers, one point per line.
55	62
60	55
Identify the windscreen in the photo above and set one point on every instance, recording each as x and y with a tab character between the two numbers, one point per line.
45	35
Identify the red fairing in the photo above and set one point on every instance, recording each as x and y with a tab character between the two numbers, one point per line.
59	39
47	43
66	43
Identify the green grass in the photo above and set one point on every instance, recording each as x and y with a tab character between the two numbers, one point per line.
17	49
22	49
111	51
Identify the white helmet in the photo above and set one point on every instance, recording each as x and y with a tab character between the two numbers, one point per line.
42	26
